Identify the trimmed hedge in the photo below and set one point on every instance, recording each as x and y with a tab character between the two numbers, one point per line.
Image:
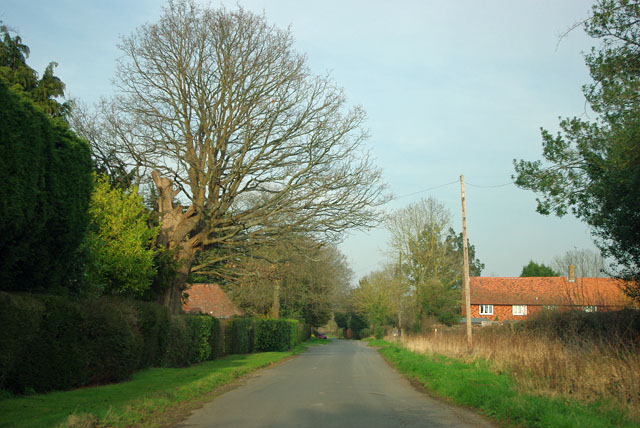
192	339
55	343
52	356
178	341
304	332
110	341
216	339
20	318
50	342
202	332
275	334
154	323
239	336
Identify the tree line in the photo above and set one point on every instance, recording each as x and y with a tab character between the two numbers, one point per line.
221	157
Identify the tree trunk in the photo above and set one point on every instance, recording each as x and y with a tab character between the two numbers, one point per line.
275	307
176	226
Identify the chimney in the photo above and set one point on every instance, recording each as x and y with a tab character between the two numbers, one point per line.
572	273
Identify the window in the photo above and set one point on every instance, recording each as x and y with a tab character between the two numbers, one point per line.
590	308
486	309
519	309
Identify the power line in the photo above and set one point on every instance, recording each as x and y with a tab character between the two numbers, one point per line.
487	187
449	184
425	190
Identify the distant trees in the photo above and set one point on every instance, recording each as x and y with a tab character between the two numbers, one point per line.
430	256
588	264
382	297
535	269
291	278
232	121
422	282
593	167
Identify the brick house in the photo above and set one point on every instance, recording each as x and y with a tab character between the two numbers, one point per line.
209	299
504	299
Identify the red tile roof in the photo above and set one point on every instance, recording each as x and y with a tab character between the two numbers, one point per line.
547	291
209	299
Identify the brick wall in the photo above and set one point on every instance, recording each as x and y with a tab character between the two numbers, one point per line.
503	312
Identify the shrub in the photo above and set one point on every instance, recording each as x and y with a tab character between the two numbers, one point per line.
154	323
275	334
119	241
239	336
612	326
379	333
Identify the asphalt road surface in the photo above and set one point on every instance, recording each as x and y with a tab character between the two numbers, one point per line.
342	384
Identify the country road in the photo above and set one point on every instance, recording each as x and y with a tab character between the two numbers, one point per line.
342	384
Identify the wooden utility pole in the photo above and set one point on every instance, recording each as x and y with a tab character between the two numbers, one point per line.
465	270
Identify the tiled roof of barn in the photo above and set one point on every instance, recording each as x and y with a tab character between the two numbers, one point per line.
547	291
209	299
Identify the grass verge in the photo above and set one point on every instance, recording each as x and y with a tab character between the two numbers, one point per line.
496	395
142	401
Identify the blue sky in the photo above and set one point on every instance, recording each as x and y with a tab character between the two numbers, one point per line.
450	88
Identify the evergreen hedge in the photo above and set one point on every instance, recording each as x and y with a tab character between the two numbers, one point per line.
51	342
154	322
55	343
239	336
179	340
275	334
45	188
304	332
110	342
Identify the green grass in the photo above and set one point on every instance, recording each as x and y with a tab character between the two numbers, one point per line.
495	395
138	402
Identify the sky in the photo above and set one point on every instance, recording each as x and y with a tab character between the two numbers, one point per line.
449	88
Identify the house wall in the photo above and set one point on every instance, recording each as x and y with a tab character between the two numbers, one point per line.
504	313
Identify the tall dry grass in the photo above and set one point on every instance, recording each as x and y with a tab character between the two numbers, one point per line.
578	364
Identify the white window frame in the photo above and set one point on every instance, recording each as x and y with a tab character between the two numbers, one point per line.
519	310
590	308
486	309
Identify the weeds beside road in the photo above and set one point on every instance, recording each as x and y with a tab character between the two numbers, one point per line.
143	401
571	370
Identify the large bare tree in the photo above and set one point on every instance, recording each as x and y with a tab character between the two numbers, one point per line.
232	123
